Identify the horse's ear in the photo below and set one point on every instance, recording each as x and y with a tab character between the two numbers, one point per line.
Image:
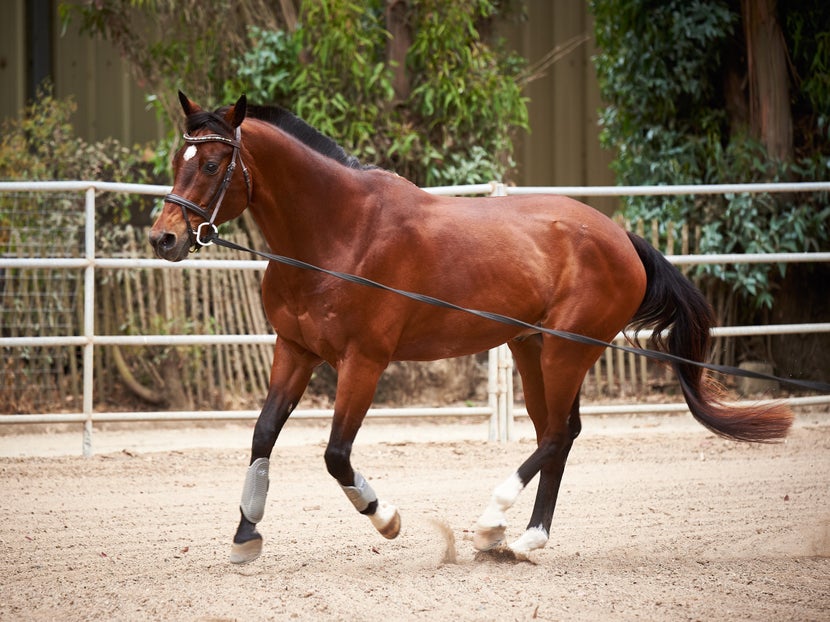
188	106
236	113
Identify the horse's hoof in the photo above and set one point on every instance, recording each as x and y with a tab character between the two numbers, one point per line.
393	528
487	538
387	520
503	555
532	539
245	552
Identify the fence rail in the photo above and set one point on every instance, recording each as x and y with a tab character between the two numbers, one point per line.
500	409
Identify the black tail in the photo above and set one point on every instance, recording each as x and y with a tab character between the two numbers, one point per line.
673	304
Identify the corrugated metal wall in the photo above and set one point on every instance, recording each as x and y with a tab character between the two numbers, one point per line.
110	103
12	58
562	148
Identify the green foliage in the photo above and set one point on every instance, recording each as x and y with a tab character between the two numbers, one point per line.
661	70
267	71
342	89
762	223
466	94
658	60
464	102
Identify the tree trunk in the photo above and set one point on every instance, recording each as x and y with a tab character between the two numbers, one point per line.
175	393
769	90
397	47
735	98
289	14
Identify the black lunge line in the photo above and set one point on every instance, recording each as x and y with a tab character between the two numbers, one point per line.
822	387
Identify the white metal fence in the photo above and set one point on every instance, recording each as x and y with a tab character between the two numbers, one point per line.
499	409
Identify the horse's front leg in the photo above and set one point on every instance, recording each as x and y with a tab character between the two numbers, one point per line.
357	380
290	375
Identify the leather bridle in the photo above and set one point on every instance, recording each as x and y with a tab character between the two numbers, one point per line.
199	238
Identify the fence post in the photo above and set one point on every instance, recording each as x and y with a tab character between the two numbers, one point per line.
89	316
503	360
493	394
506	392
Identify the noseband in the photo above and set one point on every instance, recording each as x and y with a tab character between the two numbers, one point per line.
216	201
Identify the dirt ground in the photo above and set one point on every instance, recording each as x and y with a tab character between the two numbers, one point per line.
657	520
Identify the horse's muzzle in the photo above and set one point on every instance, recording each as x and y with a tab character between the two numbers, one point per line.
167	245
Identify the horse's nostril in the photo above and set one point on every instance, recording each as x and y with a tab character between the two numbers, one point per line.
167	241
162	240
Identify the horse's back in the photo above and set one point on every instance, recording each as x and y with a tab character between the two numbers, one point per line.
544	259
555	240
594	276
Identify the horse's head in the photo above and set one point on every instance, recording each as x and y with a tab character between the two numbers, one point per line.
207	190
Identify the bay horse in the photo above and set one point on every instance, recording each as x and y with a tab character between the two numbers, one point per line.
550	261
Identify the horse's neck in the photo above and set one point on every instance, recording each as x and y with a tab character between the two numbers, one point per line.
300	196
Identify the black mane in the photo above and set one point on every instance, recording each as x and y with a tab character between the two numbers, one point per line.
284	120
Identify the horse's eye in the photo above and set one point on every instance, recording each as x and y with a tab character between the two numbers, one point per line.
210	168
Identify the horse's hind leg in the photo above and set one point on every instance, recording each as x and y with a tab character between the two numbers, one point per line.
290	374
551	378
492	524
550	477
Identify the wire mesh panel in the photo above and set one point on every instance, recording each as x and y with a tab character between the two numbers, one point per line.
40	301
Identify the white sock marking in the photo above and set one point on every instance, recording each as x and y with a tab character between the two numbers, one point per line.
532	539
504	496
